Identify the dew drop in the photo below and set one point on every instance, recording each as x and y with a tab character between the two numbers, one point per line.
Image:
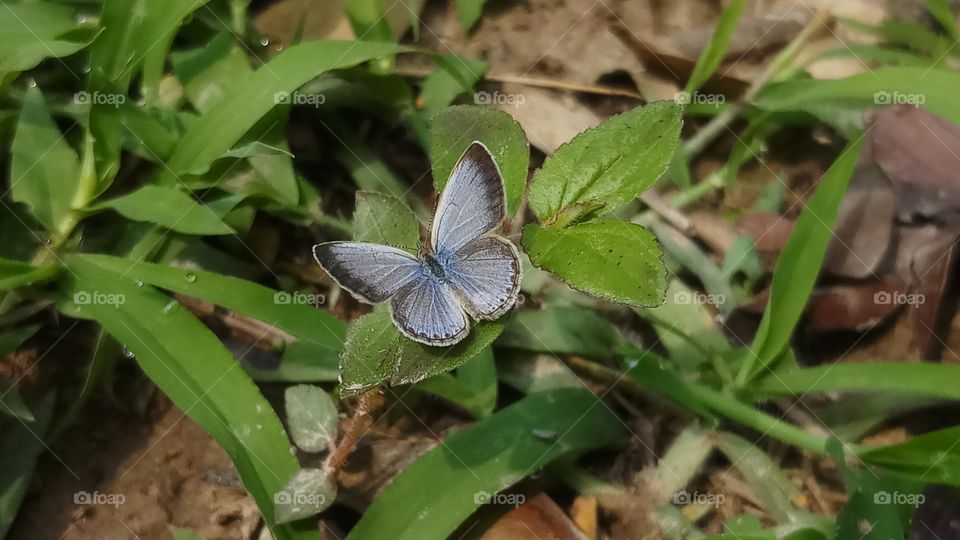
264	42
127	353
544	434
138	283
190	277
167	309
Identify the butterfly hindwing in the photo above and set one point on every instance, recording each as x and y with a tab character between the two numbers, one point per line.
426	310
472	202
486	276
466	268
371	272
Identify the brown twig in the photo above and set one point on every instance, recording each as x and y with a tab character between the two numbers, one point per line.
369	403
536	82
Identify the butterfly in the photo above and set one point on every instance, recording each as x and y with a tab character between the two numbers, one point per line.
464	271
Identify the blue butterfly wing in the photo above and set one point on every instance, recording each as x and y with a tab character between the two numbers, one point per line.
426	310
371	272
472	203
485	274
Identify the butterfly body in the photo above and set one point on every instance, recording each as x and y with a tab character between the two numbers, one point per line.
465	269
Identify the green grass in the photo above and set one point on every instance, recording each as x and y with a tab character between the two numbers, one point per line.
115	176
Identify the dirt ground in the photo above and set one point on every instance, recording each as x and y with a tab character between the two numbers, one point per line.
142	474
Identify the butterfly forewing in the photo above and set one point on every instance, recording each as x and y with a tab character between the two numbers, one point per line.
371	272
468	270
486	275
426	310
472	203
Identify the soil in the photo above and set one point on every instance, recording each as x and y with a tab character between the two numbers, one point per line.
142	475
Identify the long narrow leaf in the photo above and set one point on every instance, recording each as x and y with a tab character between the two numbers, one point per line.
799	264
199	375
440	489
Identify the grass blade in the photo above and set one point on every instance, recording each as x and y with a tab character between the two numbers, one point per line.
199	375
483	459
799	265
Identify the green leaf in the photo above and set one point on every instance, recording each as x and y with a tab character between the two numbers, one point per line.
220	128
715	51
562	330
31	32
184	534
475	462
168	207
14	274
453	76
868	514
370	352
469	12
938	380
941	10
11	402
369	20
474	388
799	264
612	260
44	169
22	445
131	31
166	341
308	493
455	128
385	220
302	362
312	417
929	458
611	163
935	87
417	361
375	352
319	334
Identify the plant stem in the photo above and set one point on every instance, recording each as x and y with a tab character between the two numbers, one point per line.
648	377
777	68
